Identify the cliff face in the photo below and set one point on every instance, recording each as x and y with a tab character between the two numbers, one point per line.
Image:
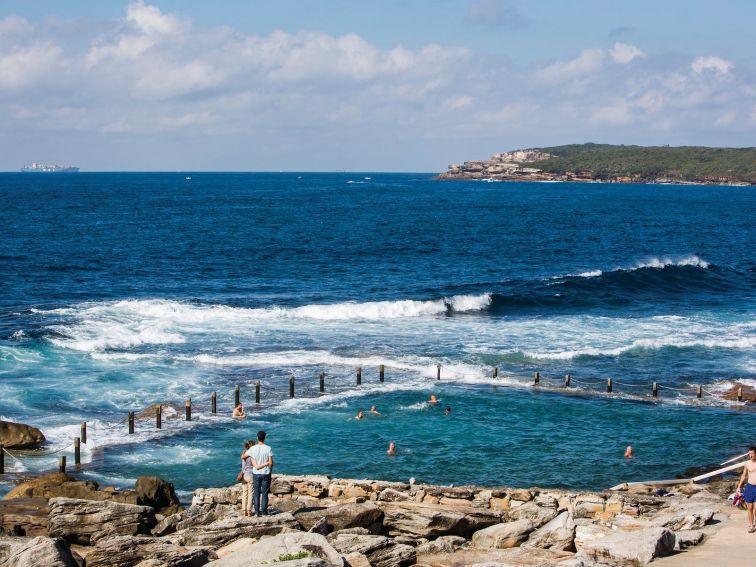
613	164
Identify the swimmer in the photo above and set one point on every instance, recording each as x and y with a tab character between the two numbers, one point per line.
447	410
360	415
238	412
433	399
629	452
391	452
374	410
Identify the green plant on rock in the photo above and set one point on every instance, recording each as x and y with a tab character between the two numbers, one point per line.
291	556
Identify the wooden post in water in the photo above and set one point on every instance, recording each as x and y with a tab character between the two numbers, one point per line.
131	423
322	382
62	464
84	432
257	392
77	451
655	390
237	395
567	380
2	459
495	373
188	406
699	393
359	375
438	372
159	417
214	403
608	385
740	393
381	374
291	387
536	379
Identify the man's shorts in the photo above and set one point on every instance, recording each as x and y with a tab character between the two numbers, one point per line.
749	494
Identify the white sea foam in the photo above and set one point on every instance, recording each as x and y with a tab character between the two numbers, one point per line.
653	262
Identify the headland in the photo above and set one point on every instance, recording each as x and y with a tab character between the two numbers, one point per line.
689	165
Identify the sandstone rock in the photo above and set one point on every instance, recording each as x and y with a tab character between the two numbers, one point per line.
587	505
310	485
269	549
688	538
379	550
502	536
443	544
24	517
19	436
424	520
226	530
391	495
153	491
343	516
688	517
558	534
585	533
87	521
128	551
356	559
320	527
55	485
230	496
170	410
532	512
521	495
38	552
630	548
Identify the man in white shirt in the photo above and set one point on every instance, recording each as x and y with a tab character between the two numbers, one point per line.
262	463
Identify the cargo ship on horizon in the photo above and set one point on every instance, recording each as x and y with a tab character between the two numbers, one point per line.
51	168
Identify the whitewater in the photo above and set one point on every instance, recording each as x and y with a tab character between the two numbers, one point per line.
126	290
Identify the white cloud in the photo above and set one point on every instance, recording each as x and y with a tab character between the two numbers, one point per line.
712	63
25	66
587	63
624	53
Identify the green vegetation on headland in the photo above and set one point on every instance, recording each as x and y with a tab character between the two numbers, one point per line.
620	164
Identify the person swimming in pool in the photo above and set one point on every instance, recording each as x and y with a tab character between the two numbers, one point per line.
374	410
391	452
238	412
360	415
433	400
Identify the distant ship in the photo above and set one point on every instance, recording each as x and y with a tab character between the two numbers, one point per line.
52	168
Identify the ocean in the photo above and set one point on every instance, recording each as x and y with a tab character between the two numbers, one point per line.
124	290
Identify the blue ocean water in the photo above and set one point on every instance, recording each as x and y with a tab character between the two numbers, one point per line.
122	290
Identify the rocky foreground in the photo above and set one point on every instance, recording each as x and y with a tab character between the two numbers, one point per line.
317	521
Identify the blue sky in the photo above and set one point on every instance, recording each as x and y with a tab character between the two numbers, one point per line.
392	85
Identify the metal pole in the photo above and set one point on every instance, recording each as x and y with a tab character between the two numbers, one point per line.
2	459
655	390
567	380
159	417
495	373
381	375
84	432
214	403
131	423
77	451
322	382
609	386
438	372
62	463
536	378
359	376
188	405
291	387
257	392
237	395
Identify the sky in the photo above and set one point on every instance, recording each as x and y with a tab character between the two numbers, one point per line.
358	85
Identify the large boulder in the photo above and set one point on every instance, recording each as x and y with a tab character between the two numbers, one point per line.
231	496
558	534
380	551
128	551
427	520
222	532
502	536
153	491
56	485
169	410
278	548
343	516
630	549
691	516
193	517
19	436
24	517
537	515
87	521
38	552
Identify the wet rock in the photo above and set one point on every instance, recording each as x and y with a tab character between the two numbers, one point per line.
558	534
19	436
153	491
630	548
170	410
129	551
268	550
57	485
342	516
379	550
426	520
38	552
503	536
87	521
24	517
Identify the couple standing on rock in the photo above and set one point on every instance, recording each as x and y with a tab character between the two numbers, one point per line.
257	467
